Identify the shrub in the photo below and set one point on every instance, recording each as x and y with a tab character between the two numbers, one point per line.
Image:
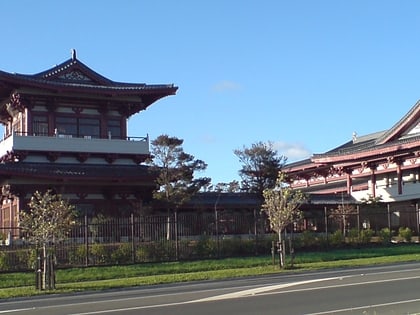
237	247
98	253
142	254
336	239
306	239
4	261
25	259
206	247
385	235
123	254
354	236
366	236
77	255
405	233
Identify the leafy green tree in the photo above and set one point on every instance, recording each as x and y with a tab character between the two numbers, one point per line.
261	164
281	205
48	220
175	171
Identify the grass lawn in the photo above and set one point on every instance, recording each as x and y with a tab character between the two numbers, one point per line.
100	278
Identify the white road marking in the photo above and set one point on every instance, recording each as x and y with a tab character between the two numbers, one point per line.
264	289
16	310
214	298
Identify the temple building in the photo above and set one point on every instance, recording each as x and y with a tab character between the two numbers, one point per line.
65	129
383	166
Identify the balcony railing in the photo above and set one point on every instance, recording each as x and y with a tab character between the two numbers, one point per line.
68	143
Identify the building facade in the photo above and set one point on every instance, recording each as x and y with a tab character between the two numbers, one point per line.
65	129
383	166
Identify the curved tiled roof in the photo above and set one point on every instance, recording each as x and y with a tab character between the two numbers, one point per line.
74	76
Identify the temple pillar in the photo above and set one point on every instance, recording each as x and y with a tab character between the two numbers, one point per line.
399	178
349	181
373	179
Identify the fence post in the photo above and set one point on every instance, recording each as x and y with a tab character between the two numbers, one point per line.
133	245
417	220
176	236
255	232
326	224
216	218
86	228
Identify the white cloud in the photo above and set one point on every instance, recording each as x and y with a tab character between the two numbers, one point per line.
293	151
226	86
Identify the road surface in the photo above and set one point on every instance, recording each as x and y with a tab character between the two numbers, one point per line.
375	290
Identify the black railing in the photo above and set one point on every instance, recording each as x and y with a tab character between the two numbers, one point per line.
97	241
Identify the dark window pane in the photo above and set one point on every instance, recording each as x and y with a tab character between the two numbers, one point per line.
89	127
40	125
66	126
114	128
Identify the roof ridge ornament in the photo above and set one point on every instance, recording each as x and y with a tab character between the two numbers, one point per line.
73	54
354	136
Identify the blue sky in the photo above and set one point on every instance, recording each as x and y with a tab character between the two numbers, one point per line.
303	74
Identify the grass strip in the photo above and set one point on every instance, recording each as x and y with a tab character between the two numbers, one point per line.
101	278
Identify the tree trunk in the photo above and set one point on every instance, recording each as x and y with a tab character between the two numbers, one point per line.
282	253
48	272
45	272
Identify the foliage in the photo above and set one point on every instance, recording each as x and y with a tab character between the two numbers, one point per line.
122	255
175	171
366	236
260	167
281	204
342	214
337	238
230	187
48	219
99	253
385	235
206	247
405	233
354	235
371	200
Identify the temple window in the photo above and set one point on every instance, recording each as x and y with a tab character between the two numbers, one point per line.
40	125
114	128
78	127
89	127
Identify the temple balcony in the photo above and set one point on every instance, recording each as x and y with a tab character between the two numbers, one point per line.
67	143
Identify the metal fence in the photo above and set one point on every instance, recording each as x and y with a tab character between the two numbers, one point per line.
100	240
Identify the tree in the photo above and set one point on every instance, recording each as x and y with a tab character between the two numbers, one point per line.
281	204
342	215
261	165
231	187
48	220
175	172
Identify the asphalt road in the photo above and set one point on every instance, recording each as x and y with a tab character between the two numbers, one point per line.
375	290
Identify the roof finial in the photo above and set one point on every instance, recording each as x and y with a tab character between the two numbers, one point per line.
73	54
354	136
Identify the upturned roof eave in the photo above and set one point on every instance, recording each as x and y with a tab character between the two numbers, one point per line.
412	115
18	80
376	150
